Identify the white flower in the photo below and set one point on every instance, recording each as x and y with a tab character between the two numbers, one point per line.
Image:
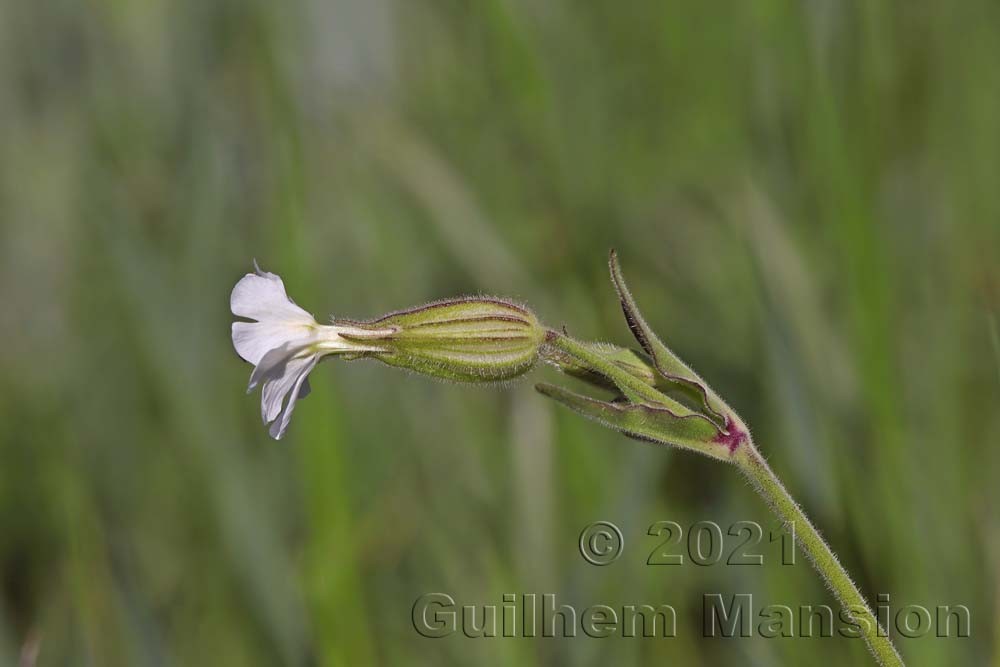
284	343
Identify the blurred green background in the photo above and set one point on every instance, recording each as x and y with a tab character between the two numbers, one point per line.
805	198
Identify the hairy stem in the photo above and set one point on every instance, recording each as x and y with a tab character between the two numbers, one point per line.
822	557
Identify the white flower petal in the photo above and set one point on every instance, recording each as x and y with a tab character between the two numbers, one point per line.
300	389
253	340
275	390
272	366
283	374
262	296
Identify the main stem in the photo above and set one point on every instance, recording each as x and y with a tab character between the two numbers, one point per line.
823	559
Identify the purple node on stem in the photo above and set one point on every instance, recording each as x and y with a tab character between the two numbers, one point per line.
732	437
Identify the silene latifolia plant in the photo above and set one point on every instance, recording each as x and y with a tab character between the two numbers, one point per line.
656	397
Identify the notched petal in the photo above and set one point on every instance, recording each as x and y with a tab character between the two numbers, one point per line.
261	296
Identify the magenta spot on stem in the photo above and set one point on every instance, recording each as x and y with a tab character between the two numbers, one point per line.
732	437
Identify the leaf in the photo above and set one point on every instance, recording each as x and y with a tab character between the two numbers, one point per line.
646	422
665	361
631	387
630	361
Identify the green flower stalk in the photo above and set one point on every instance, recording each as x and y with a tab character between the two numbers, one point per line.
656	396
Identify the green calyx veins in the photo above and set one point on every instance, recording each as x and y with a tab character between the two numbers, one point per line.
471	339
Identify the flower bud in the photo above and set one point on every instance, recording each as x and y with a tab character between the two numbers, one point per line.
470	339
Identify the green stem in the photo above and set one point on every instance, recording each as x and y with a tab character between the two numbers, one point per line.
752	464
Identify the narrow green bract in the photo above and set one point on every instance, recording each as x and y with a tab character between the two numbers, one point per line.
626	359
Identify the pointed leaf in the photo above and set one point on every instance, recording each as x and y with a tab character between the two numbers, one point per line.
666	362
646	422
633	388
628	360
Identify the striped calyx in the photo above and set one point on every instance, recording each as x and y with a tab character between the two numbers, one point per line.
469	339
